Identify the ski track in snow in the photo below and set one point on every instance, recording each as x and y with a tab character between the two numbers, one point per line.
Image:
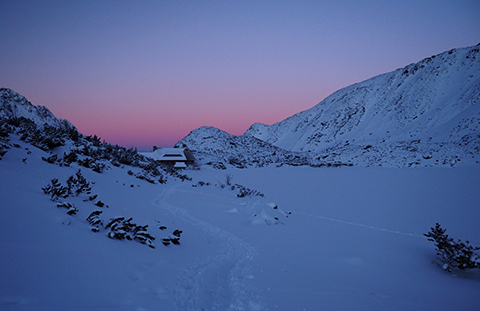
221	282
360	225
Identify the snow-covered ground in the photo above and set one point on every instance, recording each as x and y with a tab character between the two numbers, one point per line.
344	238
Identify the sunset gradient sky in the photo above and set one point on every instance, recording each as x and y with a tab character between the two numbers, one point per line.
143	73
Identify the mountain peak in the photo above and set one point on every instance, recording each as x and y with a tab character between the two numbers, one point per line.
14	105
424	110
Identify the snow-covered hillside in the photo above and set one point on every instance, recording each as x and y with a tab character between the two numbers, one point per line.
14	105
87	225
219	149
425	114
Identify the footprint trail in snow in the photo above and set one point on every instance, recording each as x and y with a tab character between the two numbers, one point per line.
221	282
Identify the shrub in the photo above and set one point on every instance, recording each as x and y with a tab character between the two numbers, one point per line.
56	190
78	184
244	191
175	239
124	229
98	167
51	159
453	254
95	221
72	210
75	186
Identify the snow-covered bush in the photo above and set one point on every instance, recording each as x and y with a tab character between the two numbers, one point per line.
244	191
56	190
237	162
175	240
201	184
72	210
176	174
124	229
70	157
47	137
98	167
51	159
100	204
453	254
76	185
95	221
143	175
120	228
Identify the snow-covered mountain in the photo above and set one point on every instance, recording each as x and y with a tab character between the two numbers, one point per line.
218	148
14	105
424	114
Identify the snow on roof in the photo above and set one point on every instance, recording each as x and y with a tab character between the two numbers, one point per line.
180	165
168	154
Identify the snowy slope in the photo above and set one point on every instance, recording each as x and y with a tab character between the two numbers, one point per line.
436	101
220	149
14	105
288	238
422	97
426	114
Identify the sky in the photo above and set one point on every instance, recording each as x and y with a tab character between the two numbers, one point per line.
144	73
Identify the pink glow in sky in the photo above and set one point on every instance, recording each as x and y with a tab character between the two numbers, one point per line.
143	73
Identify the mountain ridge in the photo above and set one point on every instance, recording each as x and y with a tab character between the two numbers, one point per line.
425	110
424	114
218	148
437	79
14	105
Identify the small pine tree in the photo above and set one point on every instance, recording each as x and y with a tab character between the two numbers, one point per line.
453	254
56	190
78	184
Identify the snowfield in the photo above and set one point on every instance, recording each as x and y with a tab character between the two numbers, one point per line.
345	238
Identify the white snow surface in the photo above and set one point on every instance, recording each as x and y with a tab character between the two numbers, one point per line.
346	238
425	114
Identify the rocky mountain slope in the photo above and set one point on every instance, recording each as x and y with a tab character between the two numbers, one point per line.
424	114
218	148
14	105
